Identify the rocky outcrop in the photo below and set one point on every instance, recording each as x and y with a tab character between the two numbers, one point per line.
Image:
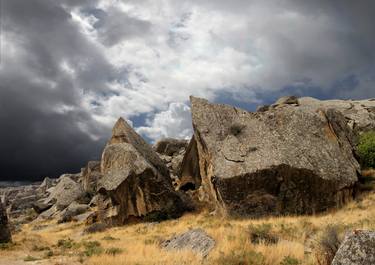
5	235
135	182
358	248
359	114
65	192
172	151
196	240
72	211
90	176
289	159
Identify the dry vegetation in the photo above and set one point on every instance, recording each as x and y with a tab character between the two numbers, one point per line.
268	241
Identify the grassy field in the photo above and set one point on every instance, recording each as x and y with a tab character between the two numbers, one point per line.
283	240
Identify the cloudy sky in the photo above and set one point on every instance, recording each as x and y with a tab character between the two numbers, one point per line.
70	68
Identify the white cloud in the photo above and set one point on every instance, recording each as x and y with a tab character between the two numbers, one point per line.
174	122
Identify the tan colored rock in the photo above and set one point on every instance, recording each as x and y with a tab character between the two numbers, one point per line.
287	160
135	182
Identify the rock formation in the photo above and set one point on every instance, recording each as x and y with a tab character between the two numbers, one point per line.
172	152
135	182
90	176
196	240
5	235
359	114
65	192
358	248
289	159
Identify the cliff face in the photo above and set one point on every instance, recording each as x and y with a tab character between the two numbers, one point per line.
289	159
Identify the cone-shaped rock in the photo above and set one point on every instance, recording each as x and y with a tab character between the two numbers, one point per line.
5	235
287	160
135	181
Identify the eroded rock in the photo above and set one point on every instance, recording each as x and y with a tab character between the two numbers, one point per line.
287	160
135	180
196	240
90	176
358	248
65	192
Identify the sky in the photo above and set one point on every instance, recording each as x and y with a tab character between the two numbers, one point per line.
70	68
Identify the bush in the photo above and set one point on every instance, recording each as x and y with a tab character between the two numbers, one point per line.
262	234
366	149
92	248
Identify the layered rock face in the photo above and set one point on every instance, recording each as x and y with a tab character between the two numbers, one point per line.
135	182
5	235
289	159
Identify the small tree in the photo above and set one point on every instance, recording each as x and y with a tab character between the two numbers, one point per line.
366	149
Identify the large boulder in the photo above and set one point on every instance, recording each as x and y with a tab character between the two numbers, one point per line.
135	182
358	248
65	192
5	235
359	114
286	160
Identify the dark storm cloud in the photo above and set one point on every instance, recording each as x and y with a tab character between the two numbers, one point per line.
114	25
43	129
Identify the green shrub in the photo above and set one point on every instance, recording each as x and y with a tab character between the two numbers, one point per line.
366	149
92	248
262	234
66	244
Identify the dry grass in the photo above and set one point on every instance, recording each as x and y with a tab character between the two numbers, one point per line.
139	243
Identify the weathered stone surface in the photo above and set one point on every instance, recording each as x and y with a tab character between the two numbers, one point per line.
135	180
41	206
47	184
287	160
5	235
196	240
90	176
359	114
170	146
358	248
65	192
71	211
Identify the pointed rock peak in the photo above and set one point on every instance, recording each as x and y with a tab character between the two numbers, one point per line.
119	131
